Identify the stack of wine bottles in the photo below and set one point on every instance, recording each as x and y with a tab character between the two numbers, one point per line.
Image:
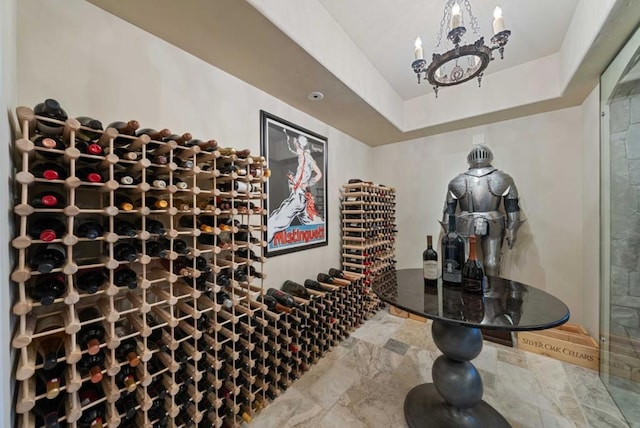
138	277
368	231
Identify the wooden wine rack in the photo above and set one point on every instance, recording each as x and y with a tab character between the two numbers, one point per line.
369	231
218	363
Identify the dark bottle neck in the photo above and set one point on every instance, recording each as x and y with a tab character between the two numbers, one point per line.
429	241
452	223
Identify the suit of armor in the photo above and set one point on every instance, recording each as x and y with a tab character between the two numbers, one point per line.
475	197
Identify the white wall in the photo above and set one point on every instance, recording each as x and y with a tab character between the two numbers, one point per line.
7	106
590	110
544	155
98	65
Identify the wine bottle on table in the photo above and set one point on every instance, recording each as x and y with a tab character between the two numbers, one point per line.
430	264
473	271
452	254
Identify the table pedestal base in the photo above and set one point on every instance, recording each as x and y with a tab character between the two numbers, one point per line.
424	407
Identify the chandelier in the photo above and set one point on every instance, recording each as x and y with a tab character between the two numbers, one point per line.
462	62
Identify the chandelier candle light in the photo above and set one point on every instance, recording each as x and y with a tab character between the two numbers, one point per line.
462	62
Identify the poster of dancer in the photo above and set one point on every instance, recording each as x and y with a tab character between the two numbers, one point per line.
297	190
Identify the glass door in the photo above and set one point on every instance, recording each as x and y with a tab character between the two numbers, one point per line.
620	230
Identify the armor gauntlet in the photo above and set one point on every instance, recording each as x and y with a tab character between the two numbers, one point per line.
513	219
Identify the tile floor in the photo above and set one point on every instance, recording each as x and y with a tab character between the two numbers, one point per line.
363	382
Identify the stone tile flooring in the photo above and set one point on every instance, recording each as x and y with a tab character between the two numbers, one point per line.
362	384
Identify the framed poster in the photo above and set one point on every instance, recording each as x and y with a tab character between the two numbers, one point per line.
297	190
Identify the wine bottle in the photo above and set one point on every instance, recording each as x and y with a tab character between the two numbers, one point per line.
125	277
50	381
49	411
89	229
283	298
125	178
154	203
123	203
47	257
91	335
126	378
124	153
272	303
49	171
323	277
47	144
92	416
124	228
125	128
123	251
180	139
128	349
452	254
250	271
126	407
89	175
315	285
336	273
90	280
48	199
158	182
46	227
91	149
153	134
152	226
92	366
208	146
188	222
295	289
430	264
473	271
85	134
50	108
51	346
48	288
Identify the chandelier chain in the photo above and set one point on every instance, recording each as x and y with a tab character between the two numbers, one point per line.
443	23
474	22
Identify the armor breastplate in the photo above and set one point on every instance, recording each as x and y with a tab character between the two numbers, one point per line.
478	197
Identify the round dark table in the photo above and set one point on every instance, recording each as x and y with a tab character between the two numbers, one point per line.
454	399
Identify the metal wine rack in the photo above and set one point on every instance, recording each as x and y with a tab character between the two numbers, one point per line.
369	231
216	363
